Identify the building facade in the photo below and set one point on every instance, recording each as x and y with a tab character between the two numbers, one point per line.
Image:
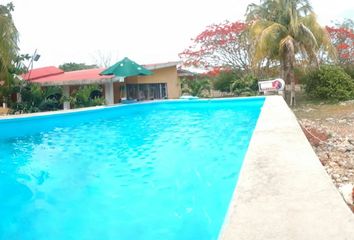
162	84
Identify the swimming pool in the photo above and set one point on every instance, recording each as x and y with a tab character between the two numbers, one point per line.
160	170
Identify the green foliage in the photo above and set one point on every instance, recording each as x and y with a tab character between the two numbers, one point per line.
300	73
245	86
329	83
224	81
286	31
277	26
8	50
86	96
71	66
37	99
9	38
349	69
195	87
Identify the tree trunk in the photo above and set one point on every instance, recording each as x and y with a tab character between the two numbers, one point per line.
283	76
292	86
288	70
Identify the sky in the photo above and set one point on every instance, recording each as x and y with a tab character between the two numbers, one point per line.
147	31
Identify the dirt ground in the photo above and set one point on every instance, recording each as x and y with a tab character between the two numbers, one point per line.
330	130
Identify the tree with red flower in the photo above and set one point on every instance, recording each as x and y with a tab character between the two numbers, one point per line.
342	37
223	45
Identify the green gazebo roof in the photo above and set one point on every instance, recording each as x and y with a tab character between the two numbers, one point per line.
126	68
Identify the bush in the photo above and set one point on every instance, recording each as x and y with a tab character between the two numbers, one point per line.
300	74
349	69
87	96
195	87
245	86
224	81
329	83
37	99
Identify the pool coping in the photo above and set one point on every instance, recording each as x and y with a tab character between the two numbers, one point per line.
283	191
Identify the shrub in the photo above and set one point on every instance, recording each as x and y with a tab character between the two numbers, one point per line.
329	83
349	69
245	86
300	74
87	96
224	81
195	87
37	99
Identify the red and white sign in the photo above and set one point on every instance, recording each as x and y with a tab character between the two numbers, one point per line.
271	85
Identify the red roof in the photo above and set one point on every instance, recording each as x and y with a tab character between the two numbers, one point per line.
55	76
66	78
42	72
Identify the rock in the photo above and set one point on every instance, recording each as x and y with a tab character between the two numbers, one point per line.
342	149
336	176
342	121
309	110
349	148
347	191
350	164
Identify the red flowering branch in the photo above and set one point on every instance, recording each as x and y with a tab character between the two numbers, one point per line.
214	72
343	40
219	45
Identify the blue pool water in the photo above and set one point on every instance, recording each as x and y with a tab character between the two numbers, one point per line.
162	170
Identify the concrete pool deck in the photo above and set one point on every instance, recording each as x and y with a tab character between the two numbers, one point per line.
283	191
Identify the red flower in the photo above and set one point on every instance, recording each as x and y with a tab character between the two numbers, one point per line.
342	46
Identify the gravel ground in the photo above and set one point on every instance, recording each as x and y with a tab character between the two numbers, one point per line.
330	130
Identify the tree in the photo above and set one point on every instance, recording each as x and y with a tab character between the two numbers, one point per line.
287	31
220	45
71	66
8	48
104	58
342	37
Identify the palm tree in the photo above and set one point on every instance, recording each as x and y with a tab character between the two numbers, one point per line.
286	31
8	44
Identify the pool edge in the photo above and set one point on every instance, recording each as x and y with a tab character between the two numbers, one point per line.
283	191
119	105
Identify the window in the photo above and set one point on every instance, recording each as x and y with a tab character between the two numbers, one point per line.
146	91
